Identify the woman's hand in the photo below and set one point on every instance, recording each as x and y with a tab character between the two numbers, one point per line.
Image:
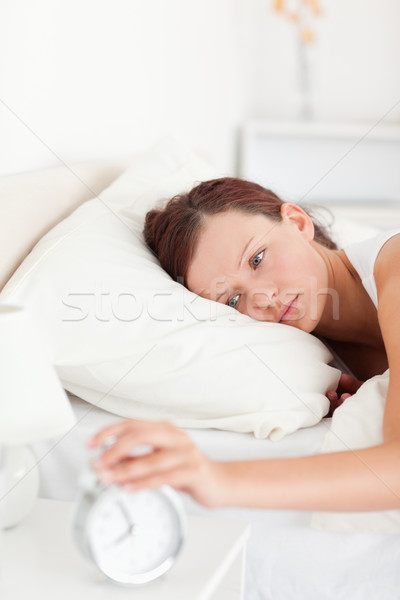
348	385
173	460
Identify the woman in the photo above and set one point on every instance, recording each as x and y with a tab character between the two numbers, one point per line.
235	242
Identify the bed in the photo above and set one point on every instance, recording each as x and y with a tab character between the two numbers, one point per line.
288	556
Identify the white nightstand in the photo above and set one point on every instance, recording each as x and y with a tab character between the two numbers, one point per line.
39	560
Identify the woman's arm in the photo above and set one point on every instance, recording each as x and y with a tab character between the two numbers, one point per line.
344	481
367	479
350	481
387	278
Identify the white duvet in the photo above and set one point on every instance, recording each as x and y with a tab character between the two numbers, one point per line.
358	424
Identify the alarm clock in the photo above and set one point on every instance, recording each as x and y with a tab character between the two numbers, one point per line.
133	537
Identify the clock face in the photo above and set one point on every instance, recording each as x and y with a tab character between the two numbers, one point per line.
135	536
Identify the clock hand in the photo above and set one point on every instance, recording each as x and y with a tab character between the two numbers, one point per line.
120	538
129	533
131	525
126	515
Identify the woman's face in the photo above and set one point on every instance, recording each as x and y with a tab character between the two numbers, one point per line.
271	271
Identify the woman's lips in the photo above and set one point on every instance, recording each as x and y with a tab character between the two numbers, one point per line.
289	311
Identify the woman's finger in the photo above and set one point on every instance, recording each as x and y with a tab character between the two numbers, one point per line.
143	466
145	431
112	430
150	437
171	478
349	383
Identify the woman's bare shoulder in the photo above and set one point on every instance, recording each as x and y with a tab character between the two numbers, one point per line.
387	262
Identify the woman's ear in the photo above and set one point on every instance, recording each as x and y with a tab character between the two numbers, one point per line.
297	216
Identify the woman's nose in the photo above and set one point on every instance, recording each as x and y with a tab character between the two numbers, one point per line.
263	298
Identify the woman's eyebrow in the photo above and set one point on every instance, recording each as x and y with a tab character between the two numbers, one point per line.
244	251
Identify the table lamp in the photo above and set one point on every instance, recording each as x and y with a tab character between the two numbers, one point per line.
33	406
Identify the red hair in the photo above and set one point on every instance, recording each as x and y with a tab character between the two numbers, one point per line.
172	233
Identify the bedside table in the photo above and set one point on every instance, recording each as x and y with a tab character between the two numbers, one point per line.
40	560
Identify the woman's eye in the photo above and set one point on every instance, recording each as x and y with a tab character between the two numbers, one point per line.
257	259
233	302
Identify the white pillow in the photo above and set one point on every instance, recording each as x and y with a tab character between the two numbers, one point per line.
128	338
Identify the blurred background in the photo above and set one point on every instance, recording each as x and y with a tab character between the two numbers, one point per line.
97	79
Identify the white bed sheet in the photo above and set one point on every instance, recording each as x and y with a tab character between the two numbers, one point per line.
286	558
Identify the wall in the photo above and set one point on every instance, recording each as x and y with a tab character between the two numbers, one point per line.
88	79
355	60
84	79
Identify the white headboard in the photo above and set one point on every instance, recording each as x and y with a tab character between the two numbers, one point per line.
326	163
